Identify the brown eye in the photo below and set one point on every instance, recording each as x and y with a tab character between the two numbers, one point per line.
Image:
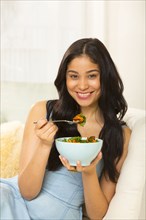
73	76
92	76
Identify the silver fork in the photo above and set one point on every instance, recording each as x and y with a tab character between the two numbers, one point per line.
66	121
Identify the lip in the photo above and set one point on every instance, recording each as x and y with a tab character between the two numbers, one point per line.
84	95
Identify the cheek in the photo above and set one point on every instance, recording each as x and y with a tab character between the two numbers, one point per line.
70	87
96	85
70	84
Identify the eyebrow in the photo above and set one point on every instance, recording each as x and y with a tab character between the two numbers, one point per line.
94	70
90	71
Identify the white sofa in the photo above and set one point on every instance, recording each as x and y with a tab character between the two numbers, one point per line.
129	199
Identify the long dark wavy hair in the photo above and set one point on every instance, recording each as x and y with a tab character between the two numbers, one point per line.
111	103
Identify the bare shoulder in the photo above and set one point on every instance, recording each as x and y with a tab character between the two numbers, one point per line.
37	111
39	106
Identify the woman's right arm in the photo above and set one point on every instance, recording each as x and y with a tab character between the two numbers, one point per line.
36	147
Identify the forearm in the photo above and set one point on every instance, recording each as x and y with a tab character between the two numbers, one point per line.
95	200
31	176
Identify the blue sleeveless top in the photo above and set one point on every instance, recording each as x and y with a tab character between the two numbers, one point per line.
61	197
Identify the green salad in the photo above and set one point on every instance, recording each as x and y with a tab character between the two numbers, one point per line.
79	139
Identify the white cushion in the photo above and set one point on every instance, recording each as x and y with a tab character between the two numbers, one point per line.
10	139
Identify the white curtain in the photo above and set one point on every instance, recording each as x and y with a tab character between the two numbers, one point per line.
35	35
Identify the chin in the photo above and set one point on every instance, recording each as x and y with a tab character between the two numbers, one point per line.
84	103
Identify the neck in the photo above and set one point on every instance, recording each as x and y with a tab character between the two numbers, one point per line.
93	114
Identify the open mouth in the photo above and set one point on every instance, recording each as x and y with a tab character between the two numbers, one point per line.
84	95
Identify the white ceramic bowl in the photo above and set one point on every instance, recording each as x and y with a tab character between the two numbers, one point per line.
83	152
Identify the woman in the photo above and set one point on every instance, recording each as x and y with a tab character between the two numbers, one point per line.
87	82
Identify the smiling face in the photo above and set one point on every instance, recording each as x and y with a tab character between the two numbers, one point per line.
83	81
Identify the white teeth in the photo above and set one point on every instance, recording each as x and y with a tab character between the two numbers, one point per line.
84	94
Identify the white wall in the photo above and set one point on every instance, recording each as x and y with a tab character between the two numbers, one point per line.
35	34
125	37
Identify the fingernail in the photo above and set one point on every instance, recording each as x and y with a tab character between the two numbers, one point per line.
100	154
63	158
78	162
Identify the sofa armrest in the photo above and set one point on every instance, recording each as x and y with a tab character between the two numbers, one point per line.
128	199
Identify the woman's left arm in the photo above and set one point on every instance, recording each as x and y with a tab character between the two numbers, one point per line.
98	195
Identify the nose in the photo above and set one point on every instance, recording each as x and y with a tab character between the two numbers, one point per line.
83	84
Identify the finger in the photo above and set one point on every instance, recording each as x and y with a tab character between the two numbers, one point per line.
62	160
48	128
45	127
67	165
79	166
72	169
40	123
52	135
49	134
97	158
